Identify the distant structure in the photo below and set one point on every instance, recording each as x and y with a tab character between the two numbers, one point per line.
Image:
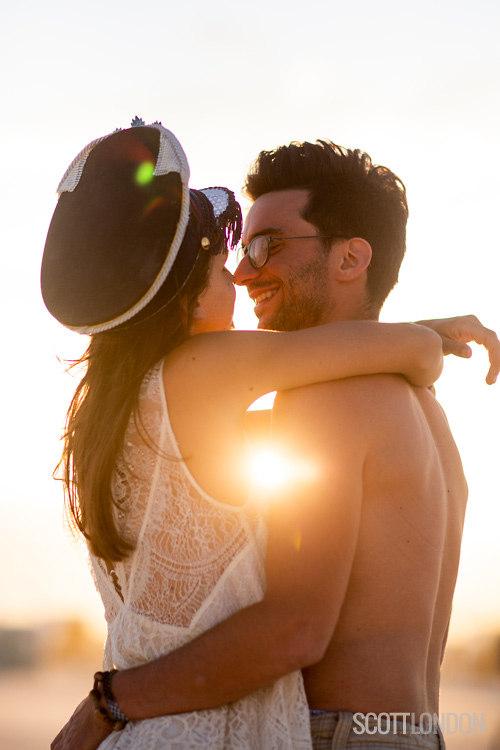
53	643
18	648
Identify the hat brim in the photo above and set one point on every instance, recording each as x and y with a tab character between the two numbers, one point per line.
114	237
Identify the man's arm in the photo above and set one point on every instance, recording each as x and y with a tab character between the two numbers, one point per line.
313	530
313	527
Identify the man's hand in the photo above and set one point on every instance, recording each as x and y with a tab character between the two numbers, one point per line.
84	731
456	332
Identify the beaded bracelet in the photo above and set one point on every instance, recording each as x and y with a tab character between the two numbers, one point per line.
112	715
114	708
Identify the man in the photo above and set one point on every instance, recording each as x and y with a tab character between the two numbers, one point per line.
390	475
363	555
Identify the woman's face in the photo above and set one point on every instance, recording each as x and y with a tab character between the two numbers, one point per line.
215	306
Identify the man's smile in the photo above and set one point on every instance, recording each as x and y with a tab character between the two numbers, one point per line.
260	297
265	295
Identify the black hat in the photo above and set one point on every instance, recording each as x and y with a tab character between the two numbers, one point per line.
127	231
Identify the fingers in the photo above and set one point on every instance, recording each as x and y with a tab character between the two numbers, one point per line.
492	375
450	346
457	332
492	344
83	731
487	338
54	745
60	743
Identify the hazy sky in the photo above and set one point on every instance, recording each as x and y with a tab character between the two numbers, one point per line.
416	84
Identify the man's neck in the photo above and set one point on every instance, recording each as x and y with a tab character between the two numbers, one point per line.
353	313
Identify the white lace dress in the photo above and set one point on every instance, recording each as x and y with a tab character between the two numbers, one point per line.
196	562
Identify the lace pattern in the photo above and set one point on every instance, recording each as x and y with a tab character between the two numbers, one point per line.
196	561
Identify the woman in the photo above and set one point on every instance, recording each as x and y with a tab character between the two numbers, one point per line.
154	457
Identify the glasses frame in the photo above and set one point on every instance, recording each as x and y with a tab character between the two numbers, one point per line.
244	251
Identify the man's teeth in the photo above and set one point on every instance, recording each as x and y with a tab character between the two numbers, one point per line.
264	296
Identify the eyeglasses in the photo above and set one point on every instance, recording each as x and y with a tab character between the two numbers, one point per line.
259	249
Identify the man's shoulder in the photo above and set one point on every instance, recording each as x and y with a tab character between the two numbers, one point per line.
357	409
347	393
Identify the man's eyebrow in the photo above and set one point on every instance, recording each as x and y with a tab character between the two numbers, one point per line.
264	233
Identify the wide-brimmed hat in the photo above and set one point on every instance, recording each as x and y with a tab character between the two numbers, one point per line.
127	230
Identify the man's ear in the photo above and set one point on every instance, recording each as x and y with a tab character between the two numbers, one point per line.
355	257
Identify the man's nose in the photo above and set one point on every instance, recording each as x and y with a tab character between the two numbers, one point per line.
245	272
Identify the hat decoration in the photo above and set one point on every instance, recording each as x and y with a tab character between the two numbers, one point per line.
127	229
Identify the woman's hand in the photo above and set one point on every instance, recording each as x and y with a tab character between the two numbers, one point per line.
84	731
457	332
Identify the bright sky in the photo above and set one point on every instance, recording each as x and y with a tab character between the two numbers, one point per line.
415	84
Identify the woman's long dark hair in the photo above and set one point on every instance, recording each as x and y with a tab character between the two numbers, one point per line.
116	362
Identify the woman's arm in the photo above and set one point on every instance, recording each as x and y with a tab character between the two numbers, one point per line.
457	332
213	378
257	362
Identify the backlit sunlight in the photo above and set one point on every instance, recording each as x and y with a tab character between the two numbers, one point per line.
271	469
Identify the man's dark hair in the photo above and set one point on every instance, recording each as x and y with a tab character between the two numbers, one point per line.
348	195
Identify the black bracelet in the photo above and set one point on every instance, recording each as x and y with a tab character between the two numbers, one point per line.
114	708
113	713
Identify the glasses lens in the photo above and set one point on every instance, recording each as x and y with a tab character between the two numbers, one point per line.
240	253
258	251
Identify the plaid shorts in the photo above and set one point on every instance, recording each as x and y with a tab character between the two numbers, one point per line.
334	730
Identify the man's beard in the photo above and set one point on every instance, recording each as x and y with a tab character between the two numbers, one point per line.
307	302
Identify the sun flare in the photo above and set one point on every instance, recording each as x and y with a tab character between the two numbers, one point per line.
271	469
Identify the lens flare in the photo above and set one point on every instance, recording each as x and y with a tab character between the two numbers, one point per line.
297	540
268	468
154	204
145	173
271	470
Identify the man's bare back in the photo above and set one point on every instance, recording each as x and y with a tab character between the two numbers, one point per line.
404	497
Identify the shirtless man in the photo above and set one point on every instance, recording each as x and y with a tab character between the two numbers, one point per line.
363	555
386	511
391	492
